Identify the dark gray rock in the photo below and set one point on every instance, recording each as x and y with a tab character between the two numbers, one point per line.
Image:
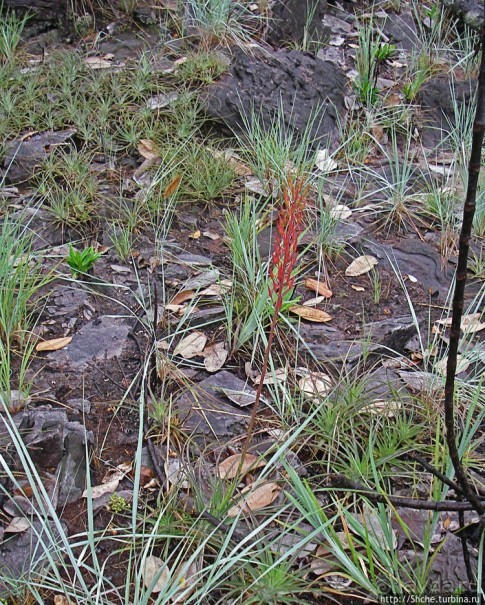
71	472
331	345
437	99
471	11
205	411
22	157
20	552
57	445
101	339
390	334
66	300
264	82
414	257
289	19
402	31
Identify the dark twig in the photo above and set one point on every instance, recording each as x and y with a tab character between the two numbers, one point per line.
460	282
438	474
235	536
340	481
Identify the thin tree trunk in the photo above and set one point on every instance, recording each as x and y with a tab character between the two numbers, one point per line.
459	294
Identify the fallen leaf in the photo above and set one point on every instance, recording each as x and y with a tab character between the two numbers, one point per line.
155	567
240	398
148	149
279	375
255	498
315	384
61	599
162	100
97	63
383	407
462	364
340	212
172	186
17	525
186	576
182	297
99	490
54	344
191	346
361	265
211	235
174	308
202	280
176	472
311	314
318	286
324	162
469	323
195	235
229	468
215	356
357	288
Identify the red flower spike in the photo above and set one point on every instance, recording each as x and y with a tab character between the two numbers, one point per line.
288	231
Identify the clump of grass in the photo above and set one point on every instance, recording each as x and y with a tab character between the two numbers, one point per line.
11	28
201	67
21	279
276	151
69	189
206	174
218	22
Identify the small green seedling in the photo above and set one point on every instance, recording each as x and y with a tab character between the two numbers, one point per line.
81	261
118	504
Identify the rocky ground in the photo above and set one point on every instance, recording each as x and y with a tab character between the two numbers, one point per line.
140	387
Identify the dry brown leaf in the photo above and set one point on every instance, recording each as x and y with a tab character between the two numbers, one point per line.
318	286
54	344
361	265
176	472
315	384
383	407
104	488
211	235
340	212
215	356
148	149
153	567
462	364
97	63
310	313
187	579
255	499
279	375
172	186
312	302
229	468
182	297
17	525
469	323
192	345
61	599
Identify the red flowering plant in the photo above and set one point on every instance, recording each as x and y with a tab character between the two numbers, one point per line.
283	263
